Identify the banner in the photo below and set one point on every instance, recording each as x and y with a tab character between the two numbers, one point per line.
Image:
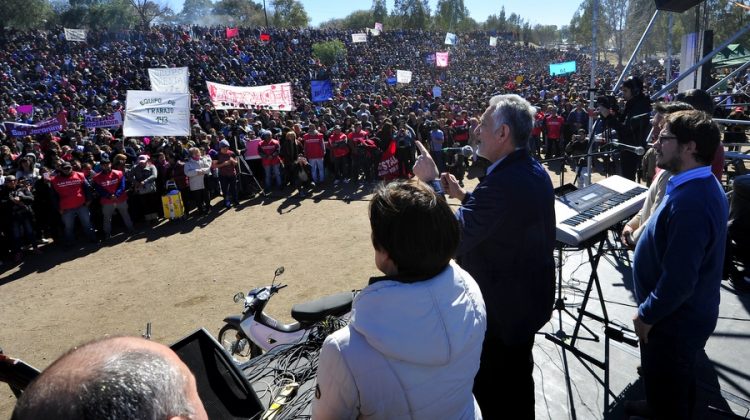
391	80
450	39
169	79
378	26
493	41
51	125
25	109
359	38
403	76
150	113
374	32
321	90
437	92
264	37
441	59
107	121
276	97
232	32
388	166
557	69
429	59
75	35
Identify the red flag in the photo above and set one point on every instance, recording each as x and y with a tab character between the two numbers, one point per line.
265	37
388	166
233	32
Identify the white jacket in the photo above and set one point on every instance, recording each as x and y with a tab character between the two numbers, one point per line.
411	351
195	170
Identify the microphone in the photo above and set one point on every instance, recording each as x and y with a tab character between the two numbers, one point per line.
465	150
638	150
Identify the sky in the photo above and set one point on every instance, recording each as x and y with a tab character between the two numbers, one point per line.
545	12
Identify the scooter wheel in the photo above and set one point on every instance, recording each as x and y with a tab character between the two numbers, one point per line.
237	344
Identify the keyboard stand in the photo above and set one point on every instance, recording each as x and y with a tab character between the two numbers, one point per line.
595	248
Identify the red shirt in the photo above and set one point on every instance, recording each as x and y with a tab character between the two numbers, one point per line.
460	131
266	150
110	182
554	126
538	123
70	190
314	146
228	170
338	144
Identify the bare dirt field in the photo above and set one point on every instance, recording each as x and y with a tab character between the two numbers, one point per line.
181	276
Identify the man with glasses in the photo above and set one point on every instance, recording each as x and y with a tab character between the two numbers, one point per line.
677	267
72	194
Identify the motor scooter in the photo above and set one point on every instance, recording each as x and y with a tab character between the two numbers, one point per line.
254	332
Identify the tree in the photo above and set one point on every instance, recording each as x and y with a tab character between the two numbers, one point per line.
24	14
614	12
239	12
379	11
289	14
411	14
449	14
329	52
358	19
149	10
194	11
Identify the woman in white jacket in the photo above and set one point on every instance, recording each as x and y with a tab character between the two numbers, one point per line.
196	168
413	345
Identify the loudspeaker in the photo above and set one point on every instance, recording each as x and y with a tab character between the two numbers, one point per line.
225	392
678	6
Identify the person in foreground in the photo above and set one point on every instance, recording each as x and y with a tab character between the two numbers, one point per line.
117	379
413	345
677	267
507	244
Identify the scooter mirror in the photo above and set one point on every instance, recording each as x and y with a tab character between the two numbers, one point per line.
239	297
279	271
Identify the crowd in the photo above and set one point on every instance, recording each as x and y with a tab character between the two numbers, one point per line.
366	132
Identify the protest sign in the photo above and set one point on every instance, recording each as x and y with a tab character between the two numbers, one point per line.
359	37
251	148
374	32
437	92
51	125
493	41
276	97
75	35
378	26
429	59
441	59
232	32
25	109
556	69
321	90
169	79
388	165
106	121
391	80
403	76
150	113
450	39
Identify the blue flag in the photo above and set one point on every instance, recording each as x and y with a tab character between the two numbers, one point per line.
322	90
391	80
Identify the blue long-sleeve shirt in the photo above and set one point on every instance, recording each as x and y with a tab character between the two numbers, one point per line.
677	266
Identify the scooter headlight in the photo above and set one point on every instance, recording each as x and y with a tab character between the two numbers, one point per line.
239	297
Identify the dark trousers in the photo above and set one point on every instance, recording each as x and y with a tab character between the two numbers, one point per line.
504	385
668	370
229	188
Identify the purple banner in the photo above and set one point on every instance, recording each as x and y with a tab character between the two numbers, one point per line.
107	121
43	127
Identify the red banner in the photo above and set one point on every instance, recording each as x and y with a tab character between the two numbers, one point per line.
265	37
388	166
232	32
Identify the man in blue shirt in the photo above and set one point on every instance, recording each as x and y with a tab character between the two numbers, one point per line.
677	267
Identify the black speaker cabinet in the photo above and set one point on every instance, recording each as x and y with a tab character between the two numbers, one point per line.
678	6
225	392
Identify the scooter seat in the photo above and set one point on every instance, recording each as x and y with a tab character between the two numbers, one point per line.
316	310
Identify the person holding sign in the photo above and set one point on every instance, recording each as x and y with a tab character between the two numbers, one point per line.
507	245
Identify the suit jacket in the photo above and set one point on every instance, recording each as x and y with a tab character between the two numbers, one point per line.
507	245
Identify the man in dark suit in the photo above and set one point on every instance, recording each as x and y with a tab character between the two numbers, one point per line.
507	245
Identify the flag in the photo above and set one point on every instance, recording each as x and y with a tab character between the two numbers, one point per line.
75	35
441	59
25	109
359	38
388	166
437	92
493	41
321	90
450	39
403	76
378	26
265	37
232	32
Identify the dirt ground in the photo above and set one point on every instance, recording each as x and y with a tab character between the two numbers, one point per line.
181	276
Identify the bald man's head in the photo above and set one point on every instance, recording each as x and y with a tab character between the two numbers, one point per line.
114	378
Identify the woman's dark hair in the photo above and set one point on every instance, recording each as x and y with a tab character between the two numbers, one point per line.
698	127
415	226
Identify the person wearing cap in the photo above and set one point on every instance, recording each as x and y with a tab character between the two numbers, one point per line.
110	185
226	163
72	195
269	149
146	203
340	153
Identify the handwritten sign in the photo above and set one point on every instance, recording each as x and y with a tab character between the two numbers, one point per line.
276	97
